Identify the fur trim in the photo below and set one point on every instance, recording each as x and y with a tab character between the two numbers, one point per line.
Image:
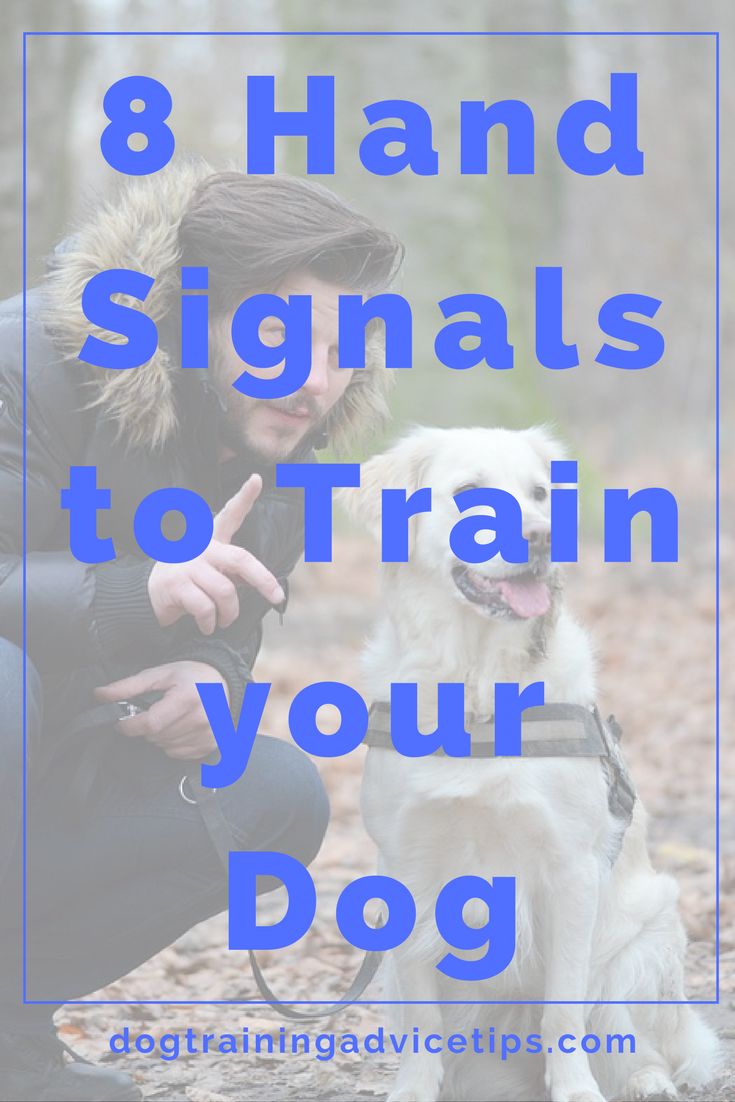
138	228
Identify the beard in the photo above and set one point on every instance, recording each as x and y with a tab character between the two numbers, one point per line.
272	429
247	425
248	428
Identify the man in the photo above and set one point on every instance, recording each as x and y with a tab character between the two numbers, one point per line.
120	861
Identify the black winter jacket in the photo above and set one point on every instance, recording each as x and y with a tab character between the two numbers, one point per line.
89	624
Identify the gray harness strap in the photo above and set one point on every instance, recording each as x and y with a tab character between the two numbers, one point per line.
547	731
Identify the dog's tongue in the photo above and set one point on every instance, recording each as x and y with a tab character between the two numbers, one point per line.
526	596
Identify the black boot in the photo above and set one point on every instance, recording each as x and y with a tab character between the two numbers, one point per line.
36	1066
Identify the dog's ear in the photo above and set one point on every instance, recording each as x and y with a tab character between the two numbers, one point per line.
404	466
546	443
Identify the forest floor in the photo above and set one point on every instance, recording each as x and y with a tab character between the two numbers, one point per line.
654	632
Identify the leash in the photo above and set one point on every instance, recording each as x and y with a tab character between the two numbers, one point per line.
91	732
219	831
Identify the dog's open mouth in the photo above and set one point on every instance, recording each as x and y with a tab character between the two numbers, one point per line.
517	597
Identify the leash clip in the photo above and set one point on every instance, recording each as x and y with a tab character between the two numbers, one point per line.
127	709
182	791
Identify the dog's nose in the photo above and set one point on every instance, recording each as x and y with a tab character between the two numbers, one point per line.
539	539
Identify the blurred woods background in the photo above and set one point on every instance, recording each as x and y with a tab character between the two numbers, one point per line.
653	234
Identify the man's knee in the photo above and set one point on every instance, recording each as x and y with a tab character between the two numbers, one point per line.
280	803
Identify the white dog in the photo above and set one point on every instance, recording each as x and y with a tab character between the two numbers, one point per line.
594	921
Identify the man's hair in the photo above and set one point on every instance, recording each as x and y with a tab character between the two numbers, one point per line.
251	231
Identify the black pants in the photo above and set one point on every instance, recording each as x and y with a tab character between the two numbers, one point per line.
111	884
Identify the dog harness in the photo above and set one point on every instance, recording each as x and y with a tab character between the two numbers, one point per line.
547	731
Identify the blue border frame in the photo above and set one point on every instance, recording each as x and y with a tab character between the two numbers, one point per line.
389	34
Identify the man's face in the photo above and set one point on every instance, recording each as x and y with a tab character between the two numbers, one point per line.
274	427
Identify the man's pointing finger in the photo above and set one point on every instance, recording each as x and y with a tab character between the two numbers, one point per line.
240	564
233	512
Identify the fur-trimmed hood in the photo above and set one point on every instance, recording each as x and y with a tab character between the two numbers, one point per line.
138	228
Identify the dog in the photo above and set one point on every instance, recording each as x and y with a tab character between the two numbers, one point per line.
594	920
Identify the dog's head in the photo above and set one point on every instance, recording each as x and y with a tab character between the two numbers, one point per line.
449	461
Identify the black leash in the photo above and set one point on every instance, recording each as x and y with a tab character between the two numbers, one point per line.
90	732
219	831
366	971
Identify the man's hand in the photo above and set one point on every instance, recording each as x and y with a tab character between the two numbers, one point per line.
205	587
177	723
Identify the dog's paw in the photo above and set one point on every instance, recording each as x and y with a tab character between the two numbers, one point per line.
413	1094
650	1085
581	1088
422	1087
584	1096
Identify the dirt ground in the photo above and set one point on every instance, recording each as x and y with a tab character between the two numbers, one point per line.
654	630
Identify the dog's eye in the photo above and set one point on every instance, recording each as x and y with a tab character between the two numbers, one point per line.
540	493
466	486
